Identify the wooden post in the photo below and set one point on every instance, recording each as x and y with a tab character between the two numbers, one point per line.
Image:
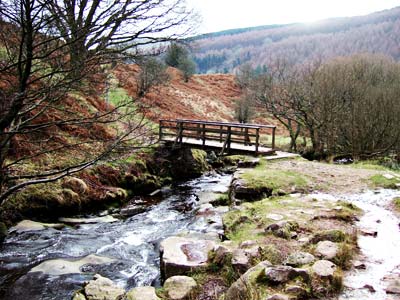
198	131
246	136
180	132
257	139
273	137
160	133
220	134
229	138
204	135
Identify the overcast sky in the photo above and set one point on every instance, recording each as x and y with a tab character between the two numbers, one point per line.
227	14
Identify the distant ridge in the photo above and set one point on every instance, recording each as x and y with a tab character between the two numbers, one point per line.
225	51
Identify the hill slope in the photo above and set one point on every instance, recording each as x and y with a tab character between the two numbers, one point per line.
375	33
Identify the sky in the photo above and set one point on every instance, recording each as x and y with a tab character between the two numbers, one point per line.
219	15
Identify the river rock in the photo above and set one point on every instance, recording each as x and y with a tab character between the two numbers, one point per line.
180	255
132	210
298	259
296	290
241	191
240	261
28	225
251	248
393	287
324	268
248	163
278	297
333	235
142	293
279	274
327	250
239	289
101	288
105	219
223	253
180	287
78	296
58	267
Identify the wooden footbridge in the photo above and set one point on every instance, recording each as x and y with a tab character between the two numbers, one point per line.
223	137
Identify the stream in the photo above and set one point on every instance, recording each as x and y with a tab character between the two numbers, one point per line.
133	244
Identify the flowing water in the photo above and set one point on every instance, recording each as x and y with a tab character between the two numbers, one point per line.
132	243
380	253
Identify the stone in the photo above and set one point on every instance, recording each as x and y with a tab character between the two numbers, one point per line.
283	229
142	293
28	225
296	290
240	261
324	268
326	250
132	210
359	265
59	267
252	163
180	287
278	297
222	254
251	248
393	287
106	219
279	274
369	287
75	184
241	191
298	259
274	217
239	289
368	232
101	288
179	255
79	296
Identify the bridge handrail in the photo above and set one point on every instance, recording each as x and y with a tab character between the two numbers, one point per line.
225	130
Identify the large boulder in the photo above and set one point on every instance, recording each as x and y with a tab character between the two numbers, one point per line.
324	268
28	225
57	267
327	250
241	288
101	288
142	293
240	190
180	255
180	287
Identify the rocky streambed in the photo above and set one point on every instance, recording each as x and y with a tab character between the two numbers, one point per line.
50	261
293	230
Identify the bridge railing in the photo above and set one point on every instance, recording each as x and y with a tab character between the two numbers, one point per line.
222	132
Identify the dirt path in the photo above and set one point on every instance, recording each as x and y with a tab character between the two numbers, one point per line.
330	178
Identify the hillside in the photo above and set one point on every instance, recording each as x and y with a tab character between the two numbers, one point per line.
375	33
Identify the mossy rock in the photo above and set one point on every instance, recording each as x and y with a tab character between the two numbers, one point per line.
188	163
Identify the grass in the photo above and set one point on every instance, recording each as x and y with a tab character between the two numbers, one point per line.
261	177
383	182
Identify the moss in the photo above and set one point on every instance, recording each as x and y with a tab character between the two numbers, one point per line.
383	182
345	255
200	158
222	200
272	254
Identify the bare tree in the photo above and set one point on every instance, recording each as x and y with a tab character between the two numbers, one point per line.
152	73
43	67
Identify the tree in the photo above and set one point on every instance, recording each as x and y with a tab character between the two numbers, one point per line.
244	109
177	56
42	67
152	73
